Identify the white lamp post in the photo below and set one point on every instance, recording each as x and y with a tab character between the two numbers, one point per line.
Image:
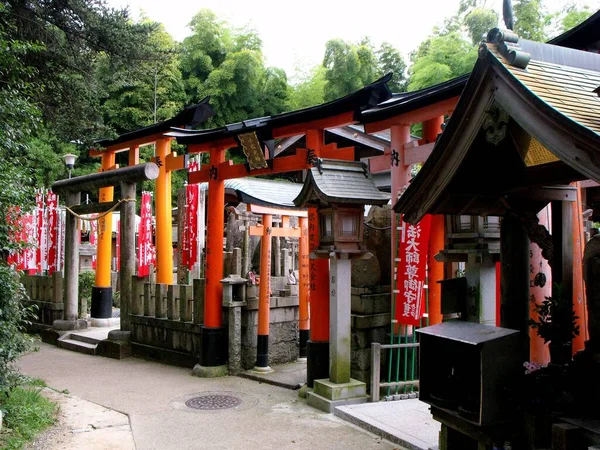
70	162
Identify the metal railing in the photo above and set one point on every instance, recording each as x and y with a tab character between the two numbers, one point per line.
376	383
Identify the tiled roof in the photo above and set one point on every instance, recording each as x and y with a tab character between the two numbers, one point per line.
258	191
337	181
569	90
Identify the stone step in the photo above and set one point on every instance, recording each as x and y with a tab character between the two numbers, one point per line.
78	346
84	338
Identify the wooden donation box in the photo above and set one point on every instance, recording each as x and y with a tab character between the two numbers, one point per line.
468	370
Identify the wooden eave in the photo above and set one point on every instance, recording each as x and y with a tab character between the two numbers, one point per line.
575	145
336	113
190	115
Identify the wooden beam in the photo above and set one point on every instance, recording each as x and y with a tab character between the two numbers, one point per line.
174	162
126	145
133	174
93	208
340	120
228	170
346	153
417	154
206	147
257	230
134	155
415	116
588	184
548	193
257	209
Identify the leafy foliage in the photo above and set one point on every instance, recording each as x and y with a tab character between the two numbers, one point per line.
308	91
557	322
27	413
531	20
13	313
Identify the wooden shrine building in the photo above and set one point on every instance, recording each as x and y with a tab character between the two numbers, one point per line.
527	124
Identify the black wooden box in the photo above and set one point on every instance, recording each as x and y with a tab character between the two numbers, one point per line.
470	370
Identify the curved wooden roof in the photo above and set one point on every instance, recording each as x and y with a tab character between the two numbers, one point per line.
547	107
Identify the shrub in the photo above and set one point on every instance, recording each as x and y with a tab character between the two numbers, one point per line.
13	316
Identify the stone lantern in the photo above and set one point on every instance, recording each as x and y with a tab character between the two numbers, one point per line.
339	190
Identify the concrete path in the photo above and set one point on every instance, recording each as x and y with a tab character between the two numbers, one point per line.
153	396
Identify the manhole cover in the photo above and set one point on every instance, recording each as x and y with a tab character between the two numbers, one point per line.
213	402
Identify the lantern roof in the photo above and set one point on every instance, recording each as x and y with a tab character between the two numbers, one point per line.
341	182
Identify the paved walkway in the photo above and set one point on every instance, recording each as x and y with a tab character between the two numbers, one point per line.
101	396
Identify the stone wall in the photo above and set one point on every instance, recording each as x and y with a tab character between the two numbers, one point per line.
370	322
46	292
283	328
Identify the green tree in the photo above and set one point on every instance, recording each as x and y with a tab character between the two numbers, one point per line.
142	92
227	64
441	58
531	20
389	60
348	67
74	33
478	22
308	91
19	118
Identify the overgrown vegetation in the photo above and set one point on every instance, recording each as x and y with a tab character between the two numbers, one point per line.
26	413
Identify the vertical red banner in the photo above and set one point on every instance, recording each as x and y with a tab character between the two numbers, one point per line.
30	238
52	222
118	245
40	253
145	235
191	228
94	238
411	276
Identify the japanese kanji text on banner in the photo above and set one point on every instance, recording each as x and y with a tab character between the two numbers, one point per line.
412	254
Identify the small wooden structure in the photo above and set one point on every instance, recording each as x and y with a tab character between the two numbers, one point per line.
528	110
339	190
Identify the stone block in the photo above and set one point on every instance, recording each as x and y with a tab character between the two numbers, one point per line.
566	436
283	302
283	314
361	359
120	349
370	303
285	332
370	321
339	391
324	404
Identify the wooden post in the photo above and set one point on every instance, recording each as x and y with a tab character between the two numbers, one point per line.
431	129
127	269
303	285
264	306
317	363
375	370
214	345
71	296
514	272
162	198
102	290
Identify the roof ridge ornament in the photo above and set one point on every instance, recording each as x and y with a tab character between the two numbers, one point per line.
507	42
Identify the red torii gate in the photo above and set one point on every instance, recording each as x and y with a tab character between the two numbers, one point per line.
254	136
428	106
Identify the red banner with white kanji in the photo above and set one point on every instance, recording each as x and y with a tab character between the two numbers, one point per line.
191	227
145	247
94	238
411	275
52	237
40	253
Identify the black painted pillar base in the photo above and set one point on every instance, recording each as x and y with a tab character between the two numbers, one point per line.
317	363
101	302
262	351
302	352
214	347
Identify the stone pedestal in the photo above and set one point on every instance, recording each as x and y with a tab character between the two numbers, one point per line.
326	394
